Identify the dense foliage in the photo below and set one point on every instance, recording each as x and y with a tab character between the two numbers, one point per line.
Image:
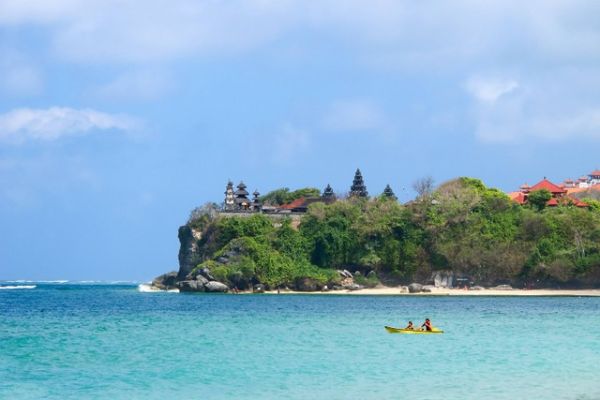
283	196
462	226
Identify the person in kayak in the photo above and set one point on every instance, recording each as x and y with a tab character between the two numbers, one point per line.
410	326
426	325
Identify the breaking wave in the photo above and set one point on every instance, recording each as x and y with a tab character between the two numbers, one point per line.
16	287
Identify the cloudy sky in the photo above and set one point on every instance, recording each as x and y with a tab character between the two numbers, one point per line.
117	117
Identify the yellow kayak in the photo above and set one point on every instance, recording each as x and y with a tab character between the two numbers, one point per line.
391	329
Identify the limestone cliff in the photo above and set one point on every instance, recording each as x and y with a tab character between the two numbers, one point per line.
189	251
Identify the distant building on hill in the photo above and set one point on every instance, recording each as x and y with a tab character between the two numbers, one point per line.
237	201
584	182
560	195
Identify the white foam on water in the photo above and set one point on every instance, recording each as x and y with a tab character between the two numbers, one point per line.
16	287
147	288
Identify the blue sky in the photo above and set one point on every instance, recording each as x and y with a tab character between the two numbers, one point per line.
119	117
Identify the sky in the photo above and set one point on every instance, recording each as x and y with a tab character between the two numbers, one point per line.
118	117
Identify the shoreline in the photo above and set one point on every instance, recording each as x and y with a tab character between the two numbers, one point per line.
396	291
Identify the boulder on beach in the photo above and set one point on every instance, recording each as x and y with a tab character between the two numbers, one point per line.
415	288
201	280
190	286
215	286
355	286
403	289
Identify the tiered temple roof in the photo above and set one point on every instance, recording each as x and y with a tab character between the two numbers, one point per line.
358	188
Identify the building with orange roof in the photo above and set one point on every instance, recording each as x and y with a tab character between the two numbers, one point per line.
560	194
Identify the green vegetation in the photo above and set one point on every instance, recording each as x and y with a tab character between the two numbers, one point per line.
283	196
462	226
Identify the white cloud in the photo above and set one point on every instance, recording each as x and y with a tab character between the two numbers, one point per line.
356	115
544	110
405	31
490	90
53	123
290	143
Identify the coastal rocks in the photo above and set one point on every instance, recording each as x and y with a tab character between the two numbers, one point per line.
427	288
415	288
215	286
476	288
189	252
442	279
403	289
258	288
372	275
344	273
205	272
201	280
165	281
190	286
355	286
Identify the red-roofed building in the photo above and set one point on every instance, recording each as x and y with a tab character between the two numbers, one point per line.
518	197
594	177
556	190
559	194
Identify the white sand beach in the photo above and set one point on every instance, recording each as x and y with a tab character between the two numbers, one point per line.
387	291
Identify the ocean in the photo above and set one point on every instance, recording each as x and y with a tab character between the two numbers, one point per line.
111	341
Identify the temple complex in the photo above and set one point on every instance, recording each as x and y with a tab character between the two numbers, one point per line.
558	192
237	199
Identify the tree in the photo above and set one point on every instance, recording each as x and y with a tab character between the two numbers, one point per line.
423	186
283	195
539	198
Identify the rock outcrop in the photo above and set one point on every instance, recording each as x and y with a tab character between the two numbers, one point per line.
166	281
415	288
215	286
442	279
189	252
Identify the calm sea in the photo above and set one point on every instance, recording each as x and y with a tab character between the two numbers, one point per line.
89	341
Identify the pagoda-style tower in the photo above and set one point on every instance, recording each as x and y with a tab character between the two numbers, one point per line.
389	193
241	197
328	194
256	204
358	188
229	203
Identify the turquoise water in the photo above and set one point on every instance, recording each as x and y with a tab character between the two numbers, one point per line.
66	341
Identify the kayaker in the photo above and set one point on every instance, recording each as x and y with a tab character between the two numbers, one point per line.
410	326
427	324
